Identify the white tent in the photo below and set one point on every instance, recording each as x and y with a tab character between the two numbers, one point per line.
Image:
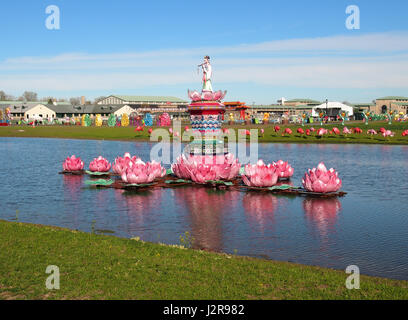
334	108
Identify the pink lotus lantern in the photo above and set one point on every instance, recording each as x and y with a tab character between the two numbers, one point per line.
285	170
322	132
371	132
321	180
287	131
404	133
260	175
73	164
300	130
388	133
224	167
276	128
358	130
121	164
336	130
99	164
180	168
139	172
203	173
346	130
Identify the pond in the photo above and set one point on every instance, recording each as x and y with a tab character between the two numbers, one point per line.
368	227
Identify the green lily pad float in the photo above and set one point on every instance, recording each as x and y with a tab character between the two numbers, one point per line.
282	187
138	185
227	183
176	181
95	173
100	182
169	171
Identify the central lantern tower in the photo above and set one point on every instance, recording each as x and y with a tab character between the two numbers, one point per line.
206	115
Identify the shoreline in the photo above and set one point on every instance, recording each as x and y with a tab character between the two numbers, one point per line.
95	266
269	136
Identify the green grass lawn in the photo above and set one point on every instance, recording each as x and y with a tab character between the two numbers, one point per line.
128	133
105	267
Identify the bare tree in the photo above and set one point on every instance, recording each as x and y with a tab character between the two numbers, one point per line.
6	97
29	96
75	101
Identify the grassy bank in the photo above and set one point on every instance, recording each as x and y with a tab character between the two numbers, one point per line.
105	267
129	134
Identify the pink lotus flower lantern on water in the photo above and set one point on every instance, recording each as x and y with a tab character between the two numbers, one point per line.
260	175
139	172
321	180
73	164
285	170
99	164
203	168
203	173
121	164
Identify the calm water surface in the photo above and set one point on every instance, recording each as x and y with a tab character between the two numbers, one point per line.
367	228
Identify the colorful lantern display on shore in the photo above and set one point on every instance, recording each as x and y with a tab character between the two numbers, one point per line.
86	120
148	120
112	120
98	120
164	120
124	121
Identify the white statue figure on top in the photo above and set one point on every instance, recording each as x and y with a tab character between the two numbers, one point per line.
207	92
207	74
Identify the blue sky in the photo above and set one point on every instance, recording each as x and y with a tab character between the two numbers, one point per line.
260	50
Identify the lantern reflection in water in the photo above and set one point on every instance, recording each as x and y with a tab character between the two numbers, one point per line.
207	209
322	213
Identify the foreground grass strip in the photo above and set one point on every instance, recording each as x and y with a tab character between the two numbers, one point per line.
129	134
105	267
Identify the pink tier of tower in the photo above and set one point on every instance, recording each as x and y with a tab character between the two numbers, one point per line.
206	111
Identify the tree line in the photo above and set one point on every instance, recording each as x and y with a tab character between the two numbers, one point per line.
30	96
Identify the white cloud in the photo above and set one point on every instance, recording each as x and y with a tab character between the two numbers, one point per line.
363	61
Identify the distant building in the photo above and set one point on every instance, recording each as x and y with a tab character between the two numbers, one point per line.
289	107
149	104
236	108
395	103
301	102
